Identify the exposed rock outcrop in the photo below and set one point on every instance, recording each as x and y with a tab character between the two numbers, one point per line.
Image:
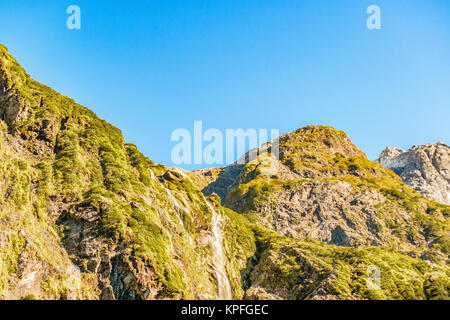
84	215
13	109
426	168
326	189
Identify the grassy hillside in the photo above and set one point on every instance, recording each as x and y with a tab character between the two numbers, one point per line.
84	215
135	233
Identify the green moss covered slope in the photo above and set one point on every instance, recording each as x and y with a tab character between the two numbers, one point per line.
130	228
84	215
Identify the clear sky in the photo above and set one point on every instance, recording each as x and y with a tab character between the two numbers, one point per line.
150	67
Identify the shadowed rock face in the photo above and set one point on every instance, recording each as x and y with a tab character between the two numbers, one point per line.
12	108
426	168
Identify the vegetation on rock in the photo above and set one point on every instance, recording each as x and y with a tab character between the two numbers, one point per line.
84	215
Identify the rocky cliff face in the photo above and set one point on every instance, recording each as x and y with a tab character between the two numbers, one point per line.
426	168
84	215
327	190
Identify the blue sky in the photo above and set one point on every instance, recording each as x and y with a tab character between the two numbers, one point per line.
150	67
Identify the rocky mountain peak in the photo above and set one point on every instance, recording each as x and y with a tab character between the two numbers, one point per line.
325	138
426	168
309	152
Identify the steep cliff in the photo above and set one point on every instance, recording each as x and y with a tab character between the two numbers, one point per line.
425	168
85	215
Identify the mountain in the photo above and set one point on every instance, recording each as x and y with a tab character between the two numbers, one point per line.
326	189
426	168
85	215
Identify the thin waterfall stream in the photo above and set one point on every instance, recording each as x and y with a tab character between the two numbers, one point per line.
178	207
223	283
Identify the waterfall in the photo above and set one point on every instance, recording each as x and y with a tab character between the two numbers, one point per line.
175	203
152	175
223	284
178	208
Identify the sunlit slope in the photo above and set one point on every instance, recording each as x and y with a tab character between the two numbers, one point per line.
131	232
84	215
326	189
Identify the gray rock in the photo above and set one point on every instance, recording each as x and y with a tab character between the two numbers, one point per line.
425	168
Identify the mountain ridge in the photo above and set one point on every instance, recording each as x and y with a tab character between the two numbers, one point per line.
304	188
84	215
